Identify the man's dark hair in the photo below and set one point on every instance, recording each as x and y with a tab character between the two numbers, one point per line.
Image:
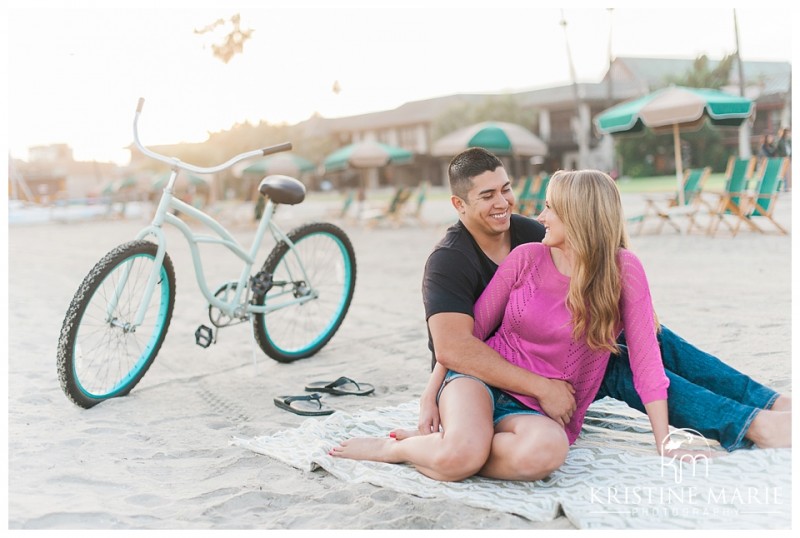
468	164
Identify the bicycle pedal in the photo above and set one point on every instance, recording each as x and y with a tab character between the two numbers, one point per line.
204	336
261	283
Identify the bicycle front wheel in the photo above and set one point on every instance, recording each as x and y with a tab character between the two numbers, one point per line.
101	354
322	265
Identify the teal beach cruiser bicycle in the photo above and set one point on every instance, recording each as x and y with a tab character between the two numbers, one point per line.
120	314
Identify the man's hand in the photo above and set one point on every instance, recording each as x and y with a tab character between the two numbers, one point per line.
558	400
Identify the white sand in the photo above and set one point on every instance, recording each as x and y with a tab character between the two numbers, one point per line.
160	458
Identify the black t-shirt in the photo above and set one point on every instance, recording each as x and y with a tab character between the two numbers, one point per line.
457	271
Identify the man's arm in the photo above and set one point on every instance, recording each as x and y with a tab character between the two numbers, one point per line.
458	349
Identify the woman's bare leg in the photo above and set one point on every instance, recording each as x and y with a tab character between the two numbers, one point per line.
526	447
456	453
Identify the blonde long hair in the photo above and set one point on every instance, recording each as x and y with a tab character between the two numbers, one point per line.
589	205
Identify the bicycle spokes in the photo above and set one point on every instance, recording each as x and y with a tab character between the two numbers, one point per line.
312	286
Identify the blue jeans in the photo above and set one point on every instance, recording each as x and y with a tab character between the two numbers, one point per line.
704	393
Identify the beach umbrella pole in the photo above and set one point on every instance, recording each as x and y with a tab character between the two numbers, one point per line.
678	161
361	197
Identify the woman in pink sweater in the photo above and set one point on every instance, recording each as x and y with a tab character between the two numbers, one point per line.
559	305
556	309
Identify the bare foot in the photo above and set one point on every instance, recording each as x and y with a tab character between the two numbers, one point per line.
403	434
367	448
783	403
771	429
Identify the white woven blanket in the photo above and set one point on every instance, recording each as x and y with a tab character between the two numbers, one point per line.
611	479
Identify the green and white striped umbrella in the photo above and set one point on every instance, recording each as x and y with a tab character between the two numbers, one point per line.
367	154
675	109
499	137
688	108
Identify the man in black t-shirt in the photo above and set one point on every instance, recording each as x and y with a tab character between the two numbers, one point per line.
468	425
458	270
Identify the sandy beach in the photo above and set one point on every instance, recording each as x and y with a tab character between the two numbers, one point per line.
161	457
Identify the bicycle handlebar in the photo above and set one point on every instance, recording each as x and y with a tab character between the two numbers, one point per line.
177	163
277	148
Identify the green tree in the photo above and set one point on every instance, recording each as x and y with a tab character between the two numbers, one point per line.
703	76
231	43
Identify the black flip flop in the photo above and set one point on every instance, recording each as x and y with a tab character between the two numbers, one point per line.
342	386
309	405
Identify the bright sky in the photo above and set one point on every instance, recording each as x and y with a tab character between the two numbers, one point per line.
75	74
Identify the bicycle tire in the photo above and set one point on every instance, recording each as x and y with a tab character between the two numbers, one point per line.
301	330
100	358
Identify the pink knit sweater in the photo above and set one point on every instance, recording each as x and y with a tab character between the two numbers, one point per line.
526	298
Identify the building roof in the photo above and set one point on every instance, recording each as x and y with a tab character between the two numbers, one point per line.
555	96
410	113
646	74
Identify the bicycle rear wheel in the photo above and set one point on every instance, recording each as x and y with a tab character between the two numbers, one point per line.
101	355
300	330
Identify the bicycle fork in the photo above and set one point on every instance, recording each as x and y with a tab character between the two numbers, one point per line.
155	275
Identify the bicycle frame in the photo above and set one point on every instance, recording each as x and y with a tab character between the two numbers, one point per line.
168	201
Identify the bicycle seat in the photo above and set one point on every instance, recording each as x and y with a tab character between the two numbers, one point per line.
282	189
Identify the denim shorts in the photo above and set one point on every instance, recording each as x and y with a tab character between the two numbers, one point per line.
503	404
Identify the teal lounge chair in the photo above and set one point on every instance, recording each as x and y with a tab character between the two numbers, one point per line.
747	206
525	198
742	204
422	194
669	209
531	201
541	194
765	197
393	213
737	176
347	203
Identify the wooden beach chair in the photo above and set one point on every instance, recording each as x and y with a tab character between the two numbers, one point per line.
539	194
347	203
745	205
668	209
531	200
343	213
393	213
415	215
765	196
729	202
525	198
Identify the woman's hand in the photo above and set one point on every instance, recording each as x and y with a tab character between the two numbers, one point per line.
428	419
428	414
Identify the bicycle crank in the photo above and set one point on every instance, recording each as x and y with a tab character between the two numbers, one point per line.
218	317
